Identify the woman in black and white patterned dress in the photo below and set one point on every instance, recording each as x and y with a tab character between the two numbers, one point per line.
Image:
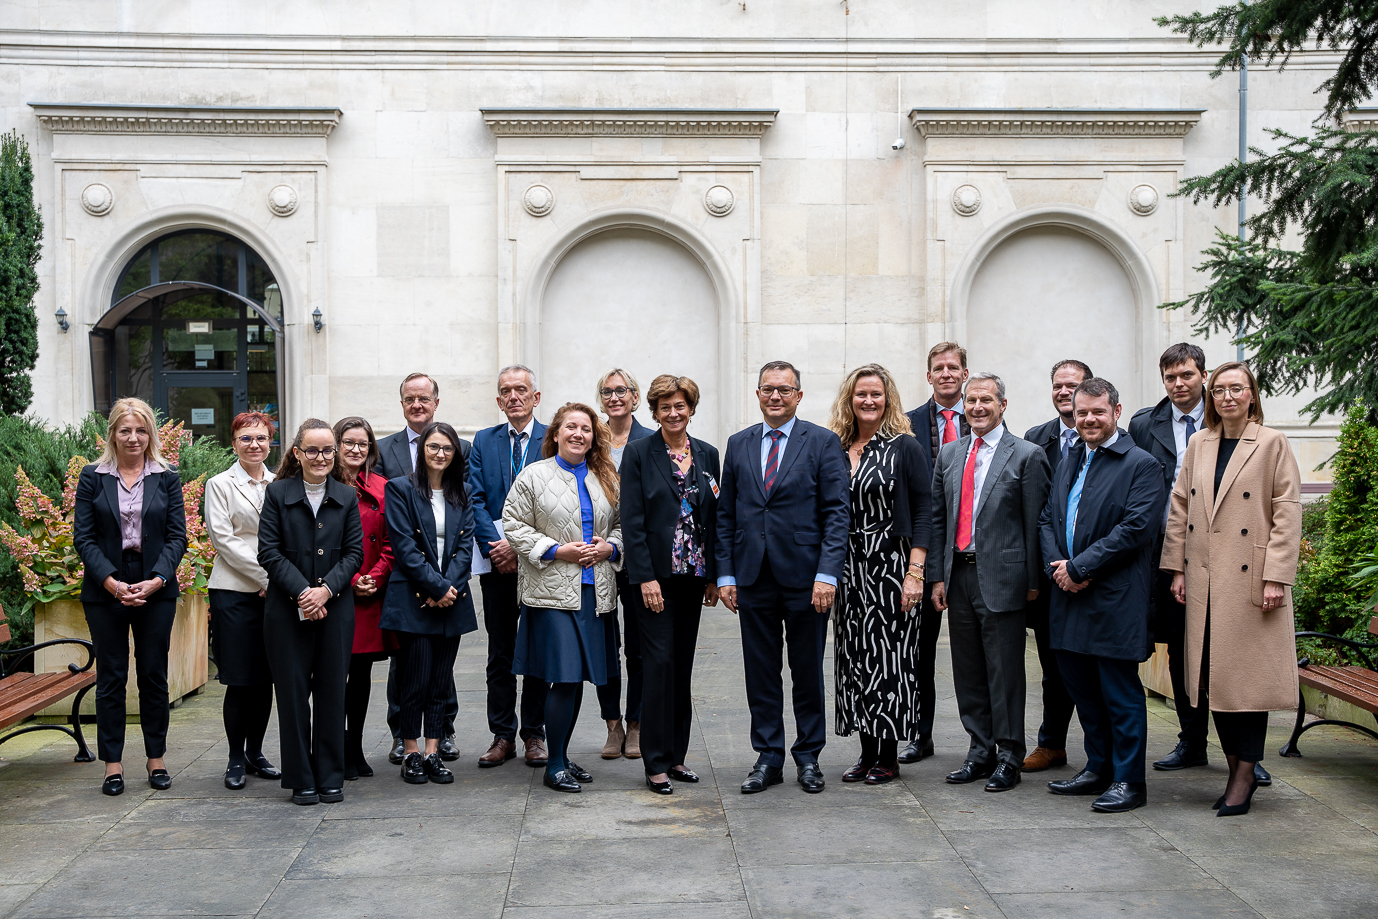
876	613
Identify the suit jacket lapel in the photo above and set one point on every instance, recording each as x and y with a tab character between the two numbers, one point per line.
402	450
1003	452
428	527
793	444
451	534
112	492
660	458
152	489
1165	434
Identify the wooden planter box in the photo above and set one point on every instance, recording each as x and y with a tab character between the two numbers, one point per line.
187	651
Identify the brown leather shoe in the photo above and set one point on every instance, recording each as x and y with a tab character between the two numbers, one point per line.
633	748
1042	758
500	752
535	752
616	736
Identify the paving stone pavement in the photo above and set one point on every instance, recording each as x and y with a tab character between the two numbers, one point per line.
498	844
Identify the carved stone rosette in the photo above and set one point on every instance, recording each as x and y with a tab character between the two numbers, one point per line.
1143	199
538	200
282	200
719	200
966	200
97	199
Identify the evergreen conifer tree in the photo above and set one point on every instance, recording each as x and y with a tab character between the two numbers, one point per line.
21	242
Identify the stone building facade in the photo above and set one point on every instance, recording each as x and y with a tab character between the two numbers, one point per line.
294	205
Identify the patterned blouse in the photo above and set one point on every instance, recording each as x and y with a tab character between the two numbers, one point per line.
686	555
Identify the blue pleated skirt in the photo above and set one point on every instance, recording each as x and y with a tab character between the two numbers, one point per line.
561	645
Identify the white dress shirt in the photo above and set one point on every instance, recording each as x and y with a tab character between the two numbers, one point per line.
413	441
983	457
1179	437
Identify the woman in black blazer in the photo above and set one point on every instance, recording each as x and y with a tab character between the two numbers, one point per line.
669	526
428	604
130	530
311	543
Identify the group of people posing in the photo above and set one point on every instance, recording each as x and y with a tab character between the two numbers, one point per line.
357	550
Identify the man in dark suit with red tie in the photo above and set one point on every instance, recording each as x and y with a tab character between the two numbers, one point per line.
940	420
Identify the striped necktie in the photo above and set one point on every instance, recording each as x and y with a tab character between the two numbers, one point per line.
773	459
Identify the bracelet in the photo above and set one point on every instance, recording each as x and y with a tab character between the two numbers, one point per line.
917	577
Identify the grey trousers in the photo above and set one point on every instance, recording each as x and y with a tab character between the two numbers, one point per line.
987	670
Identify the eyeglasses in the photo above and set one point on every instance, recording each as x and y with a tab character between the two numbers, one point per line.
355	446
313	452
417	400
437	449
249	440
1236	391
784	391
620	392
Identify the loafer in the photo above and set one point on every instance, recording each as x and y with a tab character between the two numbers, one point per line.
435	770
660	788
917	750
882	775
535	752
858	771
811	778
1121	797
414	769
499	752
159	780
1044	758
306	796
113	785
761	778
1084	782
561	781
258	765
234	776
1005	777
332	795
398	753
970	772
1261	775
447	749
1181	757
580	773
684	775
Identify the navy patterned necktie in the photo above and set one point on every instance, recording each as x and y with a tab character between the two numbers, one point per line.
518	453
773	459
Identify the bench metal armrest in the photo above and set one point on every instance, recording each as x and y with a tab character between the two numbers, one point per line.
1363	650
18	655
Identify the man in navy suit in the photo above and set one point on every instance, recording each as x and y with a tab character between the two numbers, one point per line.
499	454
783	516
1097	533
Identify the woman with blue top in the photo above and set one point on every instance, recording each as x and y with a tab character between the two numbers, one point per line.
561	517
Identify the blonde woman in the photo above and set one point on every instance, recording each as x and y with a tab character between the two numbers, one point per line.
876	613
131	531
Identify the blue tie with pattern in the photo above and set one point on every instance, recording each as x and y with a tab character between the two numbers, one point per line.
1074	498
1191	426
773	459
518	454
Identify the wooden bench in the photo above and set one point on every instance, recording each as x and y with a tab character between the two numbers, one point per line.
1353	684
23	694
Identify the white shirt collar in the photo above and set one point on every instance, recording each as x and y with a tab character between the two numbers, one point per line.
530	423
240	475
991	438
1066	427
412	436
1196	414
1113	437
960	408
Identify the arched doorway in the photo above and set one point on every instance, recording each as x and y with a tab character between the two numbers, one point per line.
193	328
635	299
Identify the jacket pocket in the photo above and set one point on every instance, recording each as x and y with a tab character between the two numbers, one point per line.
1012	556
808	538
1256	582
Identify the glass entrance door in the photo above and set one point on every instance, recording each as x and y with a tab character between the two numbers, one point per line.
205	402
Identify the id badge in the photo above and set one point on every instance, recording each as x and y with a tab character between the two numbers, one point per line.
713	484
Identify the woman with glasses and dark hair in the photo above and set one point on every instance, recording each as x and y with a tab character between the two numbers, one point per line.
620	396
428	604
1236	509
358	456
310	542
238	584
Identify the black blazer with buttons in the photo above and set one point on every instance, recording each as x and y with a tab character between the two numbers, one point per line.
98	539
417	575
300	549
650	506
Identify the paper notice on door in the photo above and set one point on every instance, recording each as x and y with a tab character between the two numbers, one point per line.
483	564
203	416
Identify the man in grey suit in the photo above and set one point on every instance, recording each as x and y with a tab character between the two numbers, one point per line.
988	489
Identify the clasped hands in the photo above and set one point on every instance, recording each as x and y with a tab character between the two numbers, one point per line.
1064	580
586	554
311	602
135	594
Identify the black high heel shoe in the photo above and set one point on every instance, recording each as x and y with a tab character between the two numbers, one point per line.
660	788
113	785
1235	810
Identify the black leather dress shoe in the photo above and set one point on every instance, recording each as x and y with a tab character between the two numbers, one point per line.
1261	775
436	771
113	785
811	778
1084	782
683	775
579	773
398	752
447	749
1181	757
258	765
761	778
917	750
970	772
332	795
159	780
305	796
660	788
857	773
414	769
561	781
1005	777
234	776
1121	797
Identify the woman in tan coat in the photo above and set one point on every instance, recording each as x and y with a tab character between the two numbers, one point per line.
1232	541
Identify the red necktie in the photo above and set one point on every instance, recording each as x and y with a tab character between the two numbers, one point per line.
950	428
964	513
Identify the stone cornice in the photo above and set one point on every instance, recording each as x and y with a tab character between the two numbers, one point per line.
175	119
1361	119
576	122
1054	122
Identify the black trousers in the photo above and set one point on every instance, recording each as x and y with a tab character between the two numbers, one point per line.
111	624
610	693
501	616
1170	627
987	670
930	626
668	639
1057	702
426	665
771	616
310	662
1114	718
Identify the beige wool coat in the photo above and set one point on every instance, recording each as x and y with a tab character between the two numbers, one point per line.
1228	545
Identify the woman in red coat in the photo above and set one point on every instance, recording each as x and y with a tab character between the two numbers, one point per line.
359	453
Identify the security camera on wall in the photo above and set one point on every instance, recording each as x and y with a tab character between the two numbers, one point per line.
898	144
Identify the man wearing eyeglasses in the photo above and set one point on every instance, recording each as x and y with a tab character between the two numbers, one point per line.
783	516
396	459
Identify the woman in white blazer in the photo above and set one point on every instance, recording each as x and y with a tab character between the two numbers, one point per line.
234	499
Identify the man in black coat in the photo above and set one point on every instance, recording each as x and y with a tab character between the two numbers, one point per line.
1097	533
1057	438
940	420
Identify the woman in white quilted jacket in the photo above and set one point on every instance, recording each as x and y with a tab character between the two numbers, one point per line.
561	517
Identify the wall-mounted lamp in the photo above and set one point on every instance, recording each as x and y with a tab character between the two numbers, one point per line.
62	322
316	318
